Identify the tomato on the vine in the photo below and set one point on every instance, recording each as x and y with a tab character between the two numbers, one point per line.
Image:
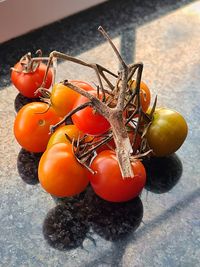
28	83
63	98
145	94
88	120
167	132
59	172
59	136
32	126
107	181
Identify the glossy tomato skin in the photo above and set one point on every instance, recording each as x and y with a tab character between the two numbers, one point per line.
167	132
145	94
87	120
32	125
63	98
59	136
108	183
59	172
28	83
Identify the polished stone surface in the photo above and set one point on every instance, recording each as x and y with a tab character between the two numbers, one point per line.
162	227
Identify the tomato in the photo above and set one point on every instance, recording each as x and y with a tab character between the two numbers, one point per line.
107	181
59	172
63	98
28	83
31	126
145	94
167	132
89	121
59	135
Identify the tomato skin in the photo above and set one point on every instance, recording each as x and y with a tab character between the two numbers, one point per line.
87	120
167	132
59	172
108	183
28	83
31	129
145	94
59	135
63	98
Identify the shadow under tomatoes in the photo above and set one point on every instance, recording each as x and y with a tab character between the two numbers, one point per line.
65	226
162	173
68	224
113	221
21	101
27	165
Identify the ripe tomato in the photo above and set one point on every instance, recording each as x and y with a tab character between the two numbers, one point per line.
59	172
167	132
31	126
63	98
145	94
87	120
108	183
28	83
59	135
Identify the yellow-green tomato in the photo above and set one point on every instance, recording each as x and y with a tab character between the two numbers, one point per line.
59	136
167	132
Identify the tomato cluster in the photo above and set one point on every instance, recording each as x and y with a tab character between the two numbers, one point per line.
61	172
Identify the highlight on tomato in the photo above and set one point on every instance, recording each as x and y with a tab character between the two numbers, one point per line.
145	94
107	181
28	83
88	120
59	172
63	97
32	126
59	136
167	132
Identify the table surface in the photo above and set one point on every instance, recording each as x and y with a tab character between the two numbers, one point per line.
162	227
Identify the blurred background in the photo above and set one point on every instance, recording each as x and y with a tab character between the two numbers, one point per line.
22	16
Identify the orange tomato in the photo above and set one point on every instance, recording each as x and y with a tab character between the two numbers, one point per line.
32	124
59	136
145	94
63	98
59	172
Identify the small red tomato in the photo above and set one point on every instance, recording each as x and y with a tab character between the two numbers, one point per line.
28	83
107	181
88	120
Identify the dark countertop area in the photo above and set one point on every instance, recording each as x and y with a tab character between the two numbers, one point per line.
162	226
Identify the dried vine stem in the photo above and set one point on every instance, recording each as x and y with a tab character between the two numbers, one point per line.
112	110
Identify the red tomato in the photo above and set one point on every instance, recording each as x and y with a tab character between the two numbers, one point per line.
87	120
59	172
108	183
28	83
63	98
31	126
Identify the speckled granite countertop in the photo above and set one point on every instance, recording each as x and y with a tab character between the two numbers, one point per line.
162	227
